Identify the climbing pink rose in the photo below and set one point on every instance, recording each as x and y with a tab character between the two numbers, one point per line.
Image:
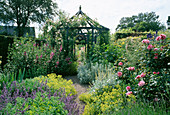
141	83
158	38
120	63
131	68
119	74
25	53
156	99
129	93
154	72
143	75
150	47
41	56
69	63
155	49
36	57
138	76
57	62
157	73
163	36
146	41
51	55
156	54
60	48
128	88
156	57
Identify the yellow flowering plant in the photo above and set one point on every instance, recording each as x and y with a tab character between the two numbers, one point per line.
55	82
106	101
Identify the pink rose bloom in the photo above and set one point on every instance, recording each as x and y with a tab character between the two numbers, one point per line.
60	48
139	76
119	74
154	72
156	54
120	63
34	44
141	83
158	38
131	68
57	62
150	47
143	75
156	99
146	41
69	63
129	93
163	36
156	57
155	49
41	56
25	53
51	55
36	57
157	73
128	88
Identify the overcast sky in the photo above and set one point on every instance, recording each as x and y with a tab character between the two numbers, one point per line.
109	12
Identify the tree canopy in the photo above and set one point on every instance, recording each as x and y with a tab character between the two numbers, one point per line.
22	12
141	22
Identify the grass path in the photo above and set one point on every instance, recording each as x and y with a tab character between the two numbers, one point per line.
80	88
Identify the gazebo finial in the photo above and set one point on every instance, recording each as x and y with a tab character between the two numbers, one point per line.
80	8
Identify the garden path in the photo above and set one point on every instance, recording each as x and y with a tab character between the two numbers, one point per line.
80	88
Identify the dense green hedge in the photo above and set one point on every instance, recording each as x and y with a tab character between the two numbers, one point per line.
119	35
5	41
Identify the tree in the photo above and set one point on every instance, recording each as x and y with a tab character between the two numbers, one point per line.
142	22
22	12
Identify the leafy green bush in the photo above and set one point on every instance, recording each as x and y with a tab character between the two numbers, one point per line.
88	72
143	108
104	78
41	104
149	80
53	86
105	101
107	53
39	58
55	82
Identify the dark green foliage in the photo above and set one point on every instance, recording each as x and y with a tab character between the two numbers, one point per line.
5	42
119	35
23	12
141	22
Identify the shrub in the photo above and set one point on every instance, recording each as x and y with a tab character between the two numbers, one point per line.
143	108
104	101
149	80
87	73
108	53
28	89
41	104
55	82
39	58
104	78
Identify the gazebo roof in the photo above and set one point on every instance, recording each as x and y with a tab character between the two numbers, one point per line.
80	15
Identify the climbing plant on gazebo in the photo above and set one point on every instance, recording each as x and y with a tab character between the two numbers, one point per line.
79	29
